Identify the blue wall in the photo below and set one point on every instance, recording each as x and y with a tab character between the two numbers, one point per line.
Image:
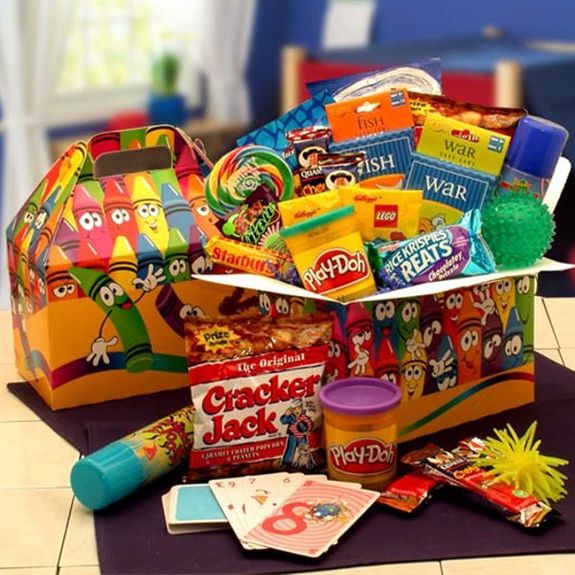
301	22
410	20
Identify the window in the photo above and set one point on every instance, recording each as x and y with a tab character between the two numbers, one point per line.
109	45
107	57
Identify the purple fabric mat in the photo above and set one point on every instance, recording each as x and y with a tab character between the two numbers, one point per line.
132	538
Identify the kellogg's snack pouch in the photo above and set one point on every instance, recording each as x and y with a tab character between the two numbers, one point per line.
384	214
306	207
255	388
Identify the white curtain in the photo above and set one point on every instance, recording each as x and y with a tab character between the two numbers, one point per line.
225	29
32	36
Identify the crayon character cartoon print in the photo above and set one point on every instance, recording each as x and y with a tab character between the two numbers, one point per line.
125	318
359	331
336	366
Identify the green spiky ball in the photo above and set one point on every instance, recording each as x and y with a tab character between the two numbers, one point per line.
518	228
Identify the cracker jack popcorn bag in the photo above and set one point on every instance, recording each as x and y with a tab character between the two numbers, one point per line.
255	387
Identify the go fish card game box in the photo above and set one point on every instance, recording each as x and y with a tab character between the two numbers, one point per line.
100	258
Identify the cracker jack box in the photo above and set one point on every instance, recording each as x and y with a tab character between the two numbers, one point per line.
100	259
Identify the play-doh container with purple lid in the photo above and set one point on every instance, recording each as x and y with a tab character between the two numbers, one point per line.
360	425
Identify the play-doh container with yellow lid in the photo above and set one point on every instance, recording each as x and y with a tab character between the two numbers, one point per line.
329	255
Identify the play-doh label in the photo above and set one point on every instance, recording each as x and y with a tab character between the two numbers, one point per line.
335	268
364	456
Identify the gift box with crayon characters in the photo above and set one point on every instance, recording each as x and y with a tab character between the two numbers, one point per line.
457	355
100	259
384	211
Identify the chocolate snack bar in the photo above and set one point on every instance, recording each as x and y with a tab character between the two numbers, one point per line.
408	492
455	468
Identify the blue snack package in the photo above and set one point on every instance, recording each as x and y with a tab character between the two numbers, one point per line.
457	250
417	77
273	134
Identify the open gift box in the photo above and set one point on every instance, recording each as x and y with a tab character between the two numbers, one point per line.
106	262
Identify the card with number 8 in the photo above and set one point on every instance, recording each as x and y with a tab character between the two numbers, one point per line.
312	518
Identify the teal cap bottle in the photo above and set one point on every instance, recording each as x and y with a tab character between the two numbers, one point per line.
121	467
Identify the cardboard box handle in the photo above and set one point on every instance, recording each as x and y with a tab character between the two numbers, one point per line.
129	161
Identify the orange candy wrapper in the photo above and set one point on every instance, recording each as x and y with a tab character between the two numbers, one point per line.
248	258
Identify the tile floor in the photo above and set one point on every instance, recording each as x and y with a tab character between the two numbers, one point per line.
44	531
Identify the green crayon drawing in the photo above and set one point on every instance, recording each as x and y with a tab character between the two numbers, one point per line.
124	316
524	292
409	340
177	267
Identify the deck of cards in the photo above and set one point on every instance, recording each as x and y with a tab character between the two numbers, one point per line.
293	512
191	509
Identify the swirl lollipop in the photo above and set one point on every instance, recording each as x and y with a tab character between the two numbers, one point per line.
239	173
243	191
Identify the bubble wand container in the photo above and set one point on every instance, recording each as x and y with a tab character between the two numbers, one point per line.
121	467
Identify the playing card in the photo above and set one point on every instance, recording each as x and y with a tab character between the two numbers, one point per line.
260	495
247	500
222	488
194	504
241	496
312	518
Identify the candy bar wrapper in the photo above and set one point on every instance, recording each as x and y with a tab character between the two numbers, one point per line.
455	468
249	258
502	120
273	134
408	492
444	253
